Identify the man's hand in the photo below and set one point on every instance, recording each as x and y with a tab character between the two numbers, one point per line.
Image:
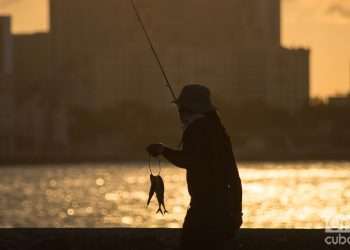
155	149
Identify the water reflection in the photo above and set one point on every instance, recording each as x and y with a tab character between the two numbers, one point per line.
275	195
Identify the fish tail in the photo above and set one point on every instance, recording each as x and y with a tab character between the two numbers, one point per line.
165	211
160	210
151	192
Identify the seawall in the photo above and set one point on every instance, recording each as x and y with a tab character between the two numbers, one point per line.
155	239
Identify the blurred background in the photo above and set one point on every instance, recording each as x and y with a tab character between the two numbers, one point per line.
78	83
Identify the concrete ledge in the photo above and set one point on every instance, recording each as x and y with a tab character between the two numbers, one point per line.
153	239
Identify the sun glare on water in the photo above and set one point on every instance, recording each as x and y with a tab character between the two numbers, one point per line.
289	195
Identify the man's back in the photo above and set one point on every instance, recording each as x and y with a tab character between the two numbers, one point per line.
212	175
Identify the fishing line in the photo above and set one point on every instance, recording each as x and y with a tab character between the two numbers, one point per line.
139	19
150	163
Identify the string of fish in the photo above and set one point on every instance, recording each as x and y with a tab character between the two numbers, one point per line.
157	187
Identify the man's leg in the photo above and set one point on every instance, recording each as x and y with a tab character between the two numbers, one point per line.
232	243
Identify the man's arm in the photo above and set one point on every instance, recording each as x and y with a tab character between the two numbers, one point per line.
191	151
177	157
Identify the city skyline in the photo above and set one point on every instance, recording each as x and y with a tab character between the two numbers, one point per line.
321	26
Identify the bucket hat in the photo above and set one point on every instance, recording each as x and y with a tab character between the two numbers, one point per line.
196	98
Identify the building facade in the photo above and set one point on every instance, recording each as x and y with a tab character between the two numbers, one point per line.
102	57
7	110
96	56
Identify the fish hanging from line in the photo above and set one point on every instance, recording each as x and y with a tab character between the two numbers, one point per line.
157	186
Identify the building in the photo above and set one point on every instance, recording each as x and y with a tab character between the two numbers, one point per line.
96	57
38	105
288	80
30	78
100	62
32	121
339	101
234	47
7	110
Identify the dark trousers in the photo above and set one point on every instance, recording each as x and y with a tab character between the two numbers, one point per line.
201	231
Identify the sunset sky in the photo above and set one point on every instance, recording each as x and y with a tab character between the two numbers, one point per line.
321	25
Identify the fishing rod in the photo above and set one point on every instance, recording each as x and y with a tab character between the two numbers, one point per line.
168	85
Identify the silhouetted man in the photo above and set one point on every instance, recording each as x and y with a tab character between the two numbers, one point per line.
215	212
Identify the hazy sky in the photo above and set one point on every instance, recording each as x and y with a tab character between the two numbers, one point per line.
321	25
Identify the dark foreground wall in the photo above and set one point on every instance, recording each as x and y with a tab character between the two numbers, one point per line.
153	239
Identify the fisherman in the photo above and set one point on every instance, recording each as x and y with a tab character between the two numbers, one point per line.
214	215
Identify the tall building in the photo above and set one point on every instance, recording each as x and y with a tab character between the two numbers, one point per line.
101	56
96	58
32	121
6	89
31	93
6	46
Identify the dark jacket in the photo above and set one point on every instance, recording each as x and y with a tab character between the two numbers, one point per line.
212	175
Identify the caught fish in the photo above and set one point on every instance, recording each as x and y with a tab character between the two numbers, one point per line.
157	186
